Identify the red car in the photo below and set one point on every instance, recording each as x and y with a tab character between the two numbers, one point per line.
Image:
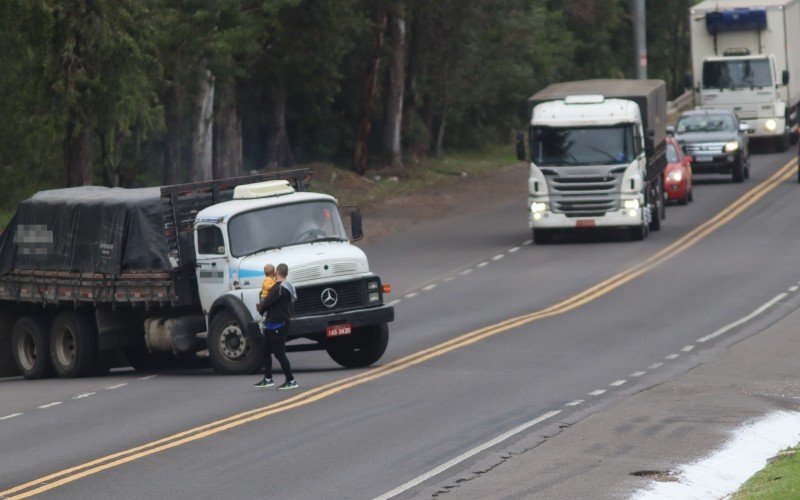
678	174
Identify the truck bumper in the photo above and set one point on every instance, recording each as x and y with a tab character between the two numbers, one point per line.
305	325
759	125
618	218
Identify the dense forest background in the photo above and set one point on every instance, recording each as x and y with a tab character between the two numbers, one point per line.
145	92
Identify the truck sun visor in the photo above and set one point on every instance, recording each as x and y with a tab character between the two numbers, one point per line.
736	20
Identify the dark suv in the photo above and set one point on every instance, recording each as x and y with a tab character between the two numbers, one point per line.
716	140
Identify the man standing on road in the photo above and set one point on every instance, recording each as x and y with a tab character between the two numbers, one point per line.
278	308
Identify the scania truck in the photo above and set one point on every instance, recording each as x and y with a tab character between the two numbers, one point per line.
174	272
597	154
746	58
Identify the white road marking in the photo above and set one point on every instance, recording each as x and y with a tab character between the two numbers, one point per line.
410	295
597	392
448	279
498	257
483	264
724	471
50	405
617	383
672	356
465	272
430	287
687	348
638	374
10	416
148	377
391	303
513	250
655	365
574	403
84	395
527	242
466	455
116	386
793	288
747	318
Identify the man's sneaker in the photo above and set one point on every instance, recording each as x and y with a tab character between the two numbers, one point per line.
289	384
265	382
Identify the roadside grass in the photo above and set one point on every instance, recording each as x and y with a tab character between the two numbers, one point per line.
5	216
779	479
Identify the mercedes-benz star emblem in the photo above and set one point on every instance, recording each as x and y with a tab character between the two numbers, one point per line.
329	298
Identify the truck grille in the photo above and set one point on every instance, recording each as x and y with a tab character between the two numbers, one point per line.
588	207
350	294
585	195
584	184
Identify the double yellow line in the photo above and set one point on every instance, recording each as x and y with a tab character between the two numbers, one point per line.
71	474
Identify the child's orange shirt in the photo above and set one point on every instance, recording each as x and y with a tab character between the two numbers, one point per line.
266	286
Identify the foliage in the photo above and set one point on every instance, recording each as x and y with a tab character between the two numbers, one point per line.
780	479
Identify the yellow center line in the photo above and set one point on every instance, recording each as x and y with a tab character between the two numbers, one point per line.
71	474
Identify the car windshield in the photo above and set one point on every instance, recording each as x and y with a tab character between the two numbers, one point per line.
706	123
672	154
736	74
285	225
582	146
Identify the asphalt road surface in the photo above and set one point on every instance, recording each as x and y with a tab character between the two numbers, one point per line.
493	335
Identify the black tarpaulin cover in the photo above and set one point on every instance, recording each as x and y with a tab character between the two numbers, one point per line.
87	229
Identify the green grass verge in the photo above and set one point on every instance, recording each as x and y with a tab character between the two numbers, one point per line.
780	479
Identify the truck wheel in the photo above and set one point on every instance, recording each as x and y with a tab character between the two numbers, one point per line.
230	347
639	233
73	345
657	208
30	347
782	143
365	346
542	236
738	171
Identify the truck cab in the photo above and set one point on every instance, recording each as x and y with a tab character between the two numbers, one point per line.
340	302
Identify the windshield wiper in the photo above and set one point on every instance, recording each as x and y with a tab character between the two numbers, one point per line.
613	158
327	238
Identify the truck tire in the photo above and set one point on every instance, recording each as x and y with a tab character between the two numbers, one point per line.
657	208
230	347
30	347
639	233
542	236
738	171
365	346
782	142
73	345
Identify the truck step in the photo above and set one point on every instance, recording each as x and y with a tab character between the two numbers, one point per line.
202	354
202	335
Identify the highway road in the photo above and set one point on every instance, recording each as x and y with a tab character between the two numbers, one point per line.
493	338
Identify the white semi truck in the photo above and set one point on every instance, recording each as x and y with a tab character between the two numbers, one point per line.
172	272
597	155
746	58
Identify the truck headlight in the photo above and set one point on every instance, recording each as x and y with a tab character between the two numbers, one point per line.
675	176
374	297
770	125
732	146
631	204
372	285
538	207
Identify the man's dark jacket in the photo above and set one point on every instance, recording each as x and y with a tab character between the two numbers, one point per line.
278	303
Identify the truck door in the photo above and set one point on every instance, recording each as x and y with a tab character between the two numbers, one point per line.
213	279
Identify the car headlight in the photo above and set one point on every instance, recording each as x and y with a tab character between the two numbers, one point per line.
675	176
631	204
538	207
770	125
732	146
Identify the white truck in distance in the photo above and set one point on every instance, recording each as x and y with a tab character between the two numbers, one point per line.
745	58
167	274
597	153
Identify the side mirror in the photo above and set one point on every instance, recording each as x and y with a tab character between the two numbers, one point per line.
744	127
688	80
670	130
520	146
356	229
785	77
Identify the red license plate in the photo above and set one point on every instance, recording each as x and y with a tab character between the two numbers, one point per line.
584	223
339	330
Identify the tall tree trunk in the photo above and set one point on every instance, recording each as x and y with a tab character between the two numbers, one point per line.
203	134
78	144
415	52
279	151
174	122
228	136
392	148
370	89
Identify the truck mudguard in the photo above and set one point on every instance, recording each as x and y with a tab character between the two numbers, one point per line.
237	308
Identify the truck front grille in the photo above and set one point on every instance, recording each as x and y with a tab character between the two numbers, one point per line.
595	184
586	207
349	294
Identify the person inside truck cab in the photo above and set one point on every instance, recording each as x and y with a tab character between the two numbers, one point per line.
318	224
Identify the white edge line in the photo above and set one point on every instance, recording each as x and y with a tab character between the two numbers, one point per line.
617	383
148	377
116	386
84	395
49	405
672	356
747	318
10	416
638	374
466	455
513	250
793	288
597	392
574	403
430	287
656	365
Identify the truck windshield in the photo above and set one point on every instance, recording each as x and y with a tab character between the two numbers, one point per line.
556	146
737	73
285	225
